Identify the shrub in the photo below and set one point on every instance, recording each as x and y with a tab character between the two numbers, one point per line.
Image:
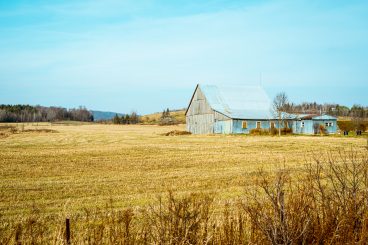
327	204
352	125
322	130
167	121
176	132
259	131
285	131
345	125
272	131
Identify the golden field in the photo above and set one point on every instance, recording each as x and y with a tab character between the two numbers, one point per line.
86	165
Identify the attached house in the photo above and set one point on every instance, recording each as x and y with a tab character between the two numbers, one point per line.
237	110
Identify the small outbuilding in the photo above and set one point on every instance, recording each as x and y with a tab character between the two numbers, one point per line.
239	109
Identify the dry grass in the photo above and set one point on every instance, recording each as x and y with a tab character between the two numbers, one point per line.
154	118
84	167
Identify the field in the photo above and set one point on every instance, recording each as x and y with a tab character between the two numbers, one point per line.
83	166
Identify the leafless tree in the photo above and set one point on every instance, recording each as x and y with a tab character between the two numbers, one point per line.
280	108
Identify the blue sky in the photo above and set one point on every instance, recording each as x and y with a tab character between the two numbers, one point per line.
148	55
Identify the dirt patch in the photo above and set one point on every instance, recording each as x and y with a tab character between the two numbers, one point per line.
176	132
42	130
6	130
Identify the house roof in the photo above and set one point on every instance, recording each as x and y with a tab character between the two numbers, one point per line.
239	102
324	117
312	117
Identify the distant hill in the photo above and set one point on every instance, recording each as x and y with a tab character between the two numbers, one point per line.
154	118
104	115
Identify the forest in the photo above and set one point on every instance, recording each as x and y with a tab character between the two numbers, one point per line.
28	113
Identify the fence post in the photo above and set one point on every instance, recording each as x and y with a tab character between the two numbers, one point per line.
67	231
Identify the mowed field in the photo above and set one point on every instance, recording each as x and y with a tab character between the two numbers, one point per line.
88	165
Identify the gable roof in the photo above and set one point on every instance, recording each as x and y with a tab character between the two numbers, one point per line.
238	102
245	102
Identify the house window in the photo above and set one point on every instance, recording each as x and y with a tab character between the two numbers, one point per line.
244	124
302	125
258	124
272	125
286	125
326	124
330	124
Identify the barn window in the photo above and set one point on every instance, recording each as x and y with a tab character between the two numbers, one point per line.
258	124
272	125
302	125
244	124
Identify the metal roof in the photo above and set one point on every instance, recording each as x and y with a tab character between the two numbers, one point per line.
247	102
239	102
324	117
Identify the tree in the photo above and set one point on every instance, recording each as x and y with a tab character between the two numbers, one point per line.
134	118
280	107
116	119
166	118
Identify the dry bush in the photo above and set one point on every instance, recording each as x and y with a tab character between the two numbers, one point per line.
323	130
180	220
176	132
41	130
326	203
285	131
272	131
259	131
7	130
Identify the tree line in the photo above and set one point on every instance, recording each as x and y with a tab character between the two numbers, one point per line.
28	113
330	109
131	118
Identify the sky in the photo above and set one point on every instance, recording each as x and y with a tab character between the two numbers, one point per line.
148	55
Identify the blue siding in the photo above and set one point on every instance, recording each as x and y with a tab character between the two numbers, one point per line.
234	126
251	124
223	127
308	126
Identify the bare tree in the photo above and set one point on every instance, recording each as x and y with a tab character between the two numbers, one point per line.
280	107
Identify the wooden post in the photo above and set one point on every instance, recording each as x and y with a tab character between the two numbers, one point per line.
67	231
18	235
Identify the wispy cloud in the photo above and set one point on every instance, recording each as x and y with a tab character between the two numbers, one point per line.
149	45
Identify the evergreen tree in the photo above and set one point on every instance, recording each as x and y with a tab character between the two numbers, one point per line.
116	119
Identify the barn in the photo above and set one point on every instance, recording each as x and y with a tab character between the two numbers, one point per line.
239	109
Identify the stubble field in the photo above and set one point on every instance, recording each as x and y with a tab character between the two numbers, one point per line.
87	166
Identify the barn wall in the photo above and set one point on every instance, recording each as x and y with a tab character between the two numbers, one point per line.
223	127
200	117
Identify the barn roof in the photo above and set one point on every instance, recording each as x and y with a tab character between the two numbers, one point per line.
246	102
239	102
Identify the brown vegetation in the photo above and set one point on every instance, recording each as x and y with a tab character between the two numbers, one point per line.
327	203
272	131
76	172
7	130
177	132
350	125
178	117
